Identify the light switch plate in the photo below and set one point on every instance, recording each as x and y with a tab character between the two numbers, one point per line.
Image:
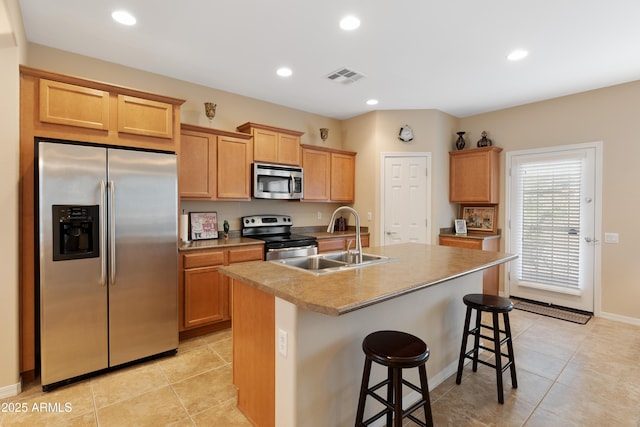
611	238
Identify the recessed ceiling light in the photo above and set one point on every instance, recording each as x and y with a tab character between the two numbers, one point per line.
517	55
349	23
284	72
123	17
372	102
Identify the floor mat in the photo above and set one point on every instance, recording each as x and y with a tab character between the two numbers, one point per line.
552	311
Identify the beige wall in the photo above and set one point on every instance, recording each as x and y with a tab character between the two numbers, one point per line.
376	133
609	115
11	53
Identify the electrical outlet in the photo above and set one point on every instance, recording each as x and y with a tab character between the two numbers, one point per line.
282	342
611	238
319	215
369	216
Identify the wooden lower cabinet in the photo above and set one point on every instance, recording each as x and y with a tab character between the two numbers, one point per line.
490	276
204	292
334	244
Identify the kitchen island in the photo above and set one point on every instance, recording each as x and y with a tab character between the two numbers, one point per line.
297	357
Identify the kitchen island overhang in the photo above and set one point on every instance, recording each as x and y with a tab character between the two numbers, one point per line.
297	337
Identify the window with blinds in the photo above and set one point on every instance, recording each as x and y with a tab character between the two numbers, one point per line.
547	220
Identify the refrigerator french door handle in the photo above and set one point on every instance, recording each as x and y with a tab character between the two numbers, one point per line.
112	233
103	233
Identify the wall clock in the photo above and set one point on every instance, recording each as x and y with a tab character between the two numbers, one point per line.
406	134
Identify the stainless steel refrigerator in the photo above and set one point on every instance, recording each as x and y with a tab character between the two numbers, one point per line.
108	233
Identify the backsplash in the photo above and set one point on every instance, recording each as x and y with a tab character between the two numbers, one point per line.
303	214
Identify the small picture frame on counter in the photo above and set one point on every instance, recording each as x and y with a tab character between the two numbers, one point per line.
480	218
203	225
460	226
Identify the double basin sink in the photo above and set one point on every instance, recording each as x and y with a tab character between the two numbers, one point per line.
331	262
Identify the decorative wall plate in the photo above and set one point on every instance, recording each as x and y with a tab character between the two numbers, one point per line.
405	134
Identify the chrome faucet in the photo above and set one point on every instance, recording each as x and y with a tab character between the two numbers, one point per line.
357	217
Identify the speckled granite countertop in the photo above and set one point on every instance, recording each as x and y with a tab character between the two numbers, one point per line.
416	267
236	240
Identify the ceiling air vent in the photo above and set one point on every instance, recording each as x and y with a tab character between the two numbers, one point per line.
345	76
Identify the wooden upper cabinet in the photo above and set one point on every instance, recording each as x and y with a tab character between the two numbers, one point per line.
316	165
65	107
73	105
265	145
197	165
329	174
474	175
272	144
343	169
234	168
214	164
144	117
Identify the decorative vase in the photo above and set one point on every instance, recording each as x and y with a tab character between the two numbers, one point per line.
225	227
484	141
460	142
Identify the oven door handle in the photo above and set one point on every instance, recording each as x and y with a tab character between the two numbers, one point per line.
297	248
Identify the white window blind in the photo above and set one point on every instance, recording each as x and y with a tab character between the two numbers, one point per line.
547	220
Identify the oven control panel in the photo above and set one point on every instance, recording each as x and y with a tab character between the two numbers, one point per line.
265	220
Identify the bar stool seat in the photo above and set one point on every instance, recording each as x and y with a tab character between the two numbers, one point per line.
397	351
495	305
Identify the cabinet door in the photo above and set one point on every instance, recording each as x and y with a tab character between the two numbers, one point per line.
197	173
144	117
72	105
474	176
265	146
342	177
317	174
288	149
234	168
206	296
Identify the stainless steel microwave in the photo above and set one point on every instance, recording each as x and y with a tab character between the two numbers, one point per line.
271	181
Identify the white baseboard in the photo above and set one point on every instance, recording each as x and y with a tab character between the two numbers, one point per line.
10	390
624	319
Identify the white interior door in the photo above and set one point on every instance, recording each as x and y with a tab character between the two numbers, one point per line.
552	204
405	198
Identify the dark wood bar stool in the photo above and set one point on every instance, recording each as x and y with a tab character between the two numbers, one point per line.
494	305
397	351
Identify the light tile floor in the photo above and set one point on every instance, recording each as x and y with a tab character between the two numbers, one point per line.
568	375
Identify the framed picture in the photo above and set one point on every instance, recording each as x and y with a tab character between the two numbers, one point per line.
461	226
203	225
480	218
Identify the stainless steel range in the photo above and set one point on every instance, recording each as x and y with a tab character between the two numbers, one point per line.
275	230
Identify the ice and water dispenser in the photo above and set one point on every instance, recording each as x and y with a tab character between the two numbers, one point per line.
76	232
